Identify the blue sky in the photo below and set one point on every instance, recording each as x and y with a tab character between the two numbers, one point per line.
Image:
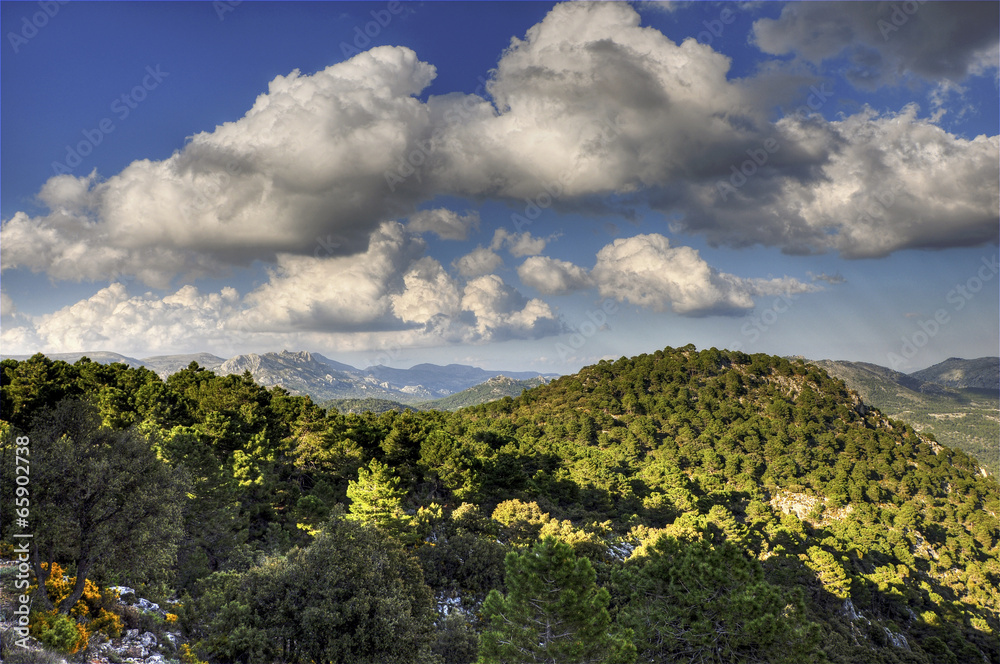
514	185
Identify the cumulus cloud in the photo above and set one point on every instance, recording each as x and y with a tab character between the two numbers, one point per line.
551	276
889	182
428	293
518	244
391	294
337	293
446	224
501	312
7	307
886	42
588	103
477	262
646	271
113	320
308	161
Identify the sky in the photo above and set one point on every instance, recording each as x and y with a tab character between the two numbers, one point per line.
513	185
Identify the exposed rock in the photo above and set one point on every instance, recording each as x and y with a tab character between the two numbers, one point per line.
896	639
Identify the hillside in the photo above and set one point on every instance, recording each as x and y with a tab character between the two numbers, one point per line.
376	406
493	389
982	373
731	507
966	418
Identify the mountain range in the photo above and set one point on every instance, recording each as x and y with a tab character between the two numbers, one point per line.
323	378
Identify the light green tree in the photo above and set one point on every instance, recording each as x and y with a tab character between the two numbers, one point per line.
376	498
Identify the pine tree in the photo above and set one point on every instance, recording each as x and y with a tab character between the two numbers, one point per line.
376	497
554	612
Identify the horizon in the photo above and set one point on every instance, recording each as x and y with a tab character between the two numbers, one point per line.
411	366
533	186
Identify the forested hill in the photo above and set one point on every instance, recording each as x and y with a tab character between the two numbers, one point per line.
683	506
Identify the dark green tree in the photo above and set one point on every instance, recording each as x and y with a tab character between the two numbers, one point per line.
704	604
101	499
553	612
350	597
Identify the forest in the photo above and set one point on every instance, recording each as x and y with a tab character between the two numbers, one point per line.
679	506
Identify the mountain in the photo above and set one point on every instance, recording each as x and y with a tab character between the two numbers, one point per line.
324	379
981	373
493	389
967	418
314	375
164	365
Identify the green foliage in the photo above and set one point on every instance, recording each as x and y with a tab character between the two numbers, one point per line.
762	456
61	633
376	498
97	496
709	604
349	597
553	612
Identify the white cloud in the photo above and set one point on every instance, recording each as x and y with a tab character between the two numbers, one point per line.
339	293
646	271
448	225
551	276
891	182
308	161
112	320
588	103
7	307
428	293
501	312
518	244
478	262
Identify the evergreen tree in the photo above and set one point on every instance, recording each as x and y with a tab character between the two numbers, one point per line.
554	612
376	497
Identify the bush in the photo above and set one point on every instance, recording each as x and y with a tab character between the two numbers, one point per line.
59	631
92	610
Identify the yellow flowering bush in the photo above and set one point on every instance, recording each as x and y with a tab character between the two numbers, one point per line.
88	615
